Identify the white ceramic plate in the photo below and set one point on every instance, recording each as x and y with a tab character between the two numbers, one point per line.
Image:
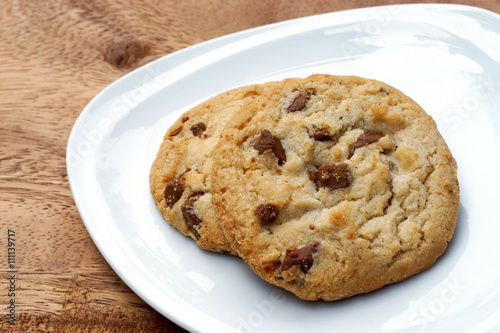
446	57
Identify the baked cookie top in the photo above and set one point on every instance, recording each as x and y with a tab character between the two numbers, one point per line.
180	175
330	186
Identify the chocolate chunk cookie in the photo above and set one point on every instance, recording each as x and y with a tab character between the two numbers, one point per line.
331	186
180	174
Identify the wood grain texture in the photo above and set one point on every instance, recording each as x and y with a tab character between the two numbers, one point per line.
55	56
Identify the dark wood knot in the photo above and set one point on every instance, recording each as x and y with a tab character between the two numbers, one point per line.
125	54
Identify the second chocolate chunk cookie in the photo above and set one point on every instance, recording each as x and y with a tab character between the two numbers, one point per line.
180	174
331	186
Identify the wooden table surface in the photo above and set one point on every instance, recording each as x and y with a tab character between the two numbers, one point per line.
55	56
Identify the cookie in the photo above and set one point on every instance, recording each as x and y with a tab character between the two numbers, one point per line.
180	174
331	186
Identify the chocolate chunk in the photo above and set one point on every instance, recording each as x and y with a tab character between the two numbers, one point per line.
263	142
279	151
176	131
331	176
175	188
184	119
321	134
301	256
267	212
189	214
198	128
267	141
299	102
365	139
